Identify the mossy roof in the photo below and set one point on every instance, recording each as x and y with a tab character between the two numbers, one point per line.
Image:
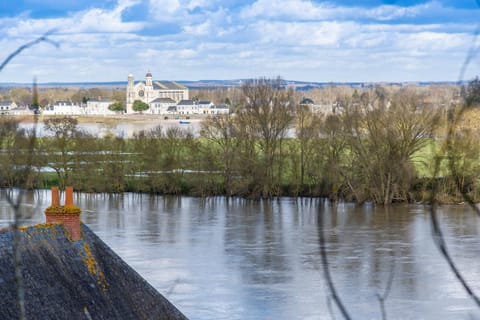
84	279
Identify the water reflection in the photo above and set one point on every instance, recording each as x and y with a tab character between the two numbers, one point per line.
221	258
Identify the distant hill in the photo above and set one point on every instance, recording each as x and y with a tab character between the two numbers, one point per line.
209	84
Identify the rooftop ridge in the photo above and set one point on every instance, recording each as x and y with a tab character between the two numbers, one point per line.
66	280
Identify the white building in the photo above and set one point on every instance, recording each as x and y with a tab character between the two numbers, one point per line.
6	106
63	108
21	111
325	108
187	107
205	107
161	105
149	90
99	106
220	109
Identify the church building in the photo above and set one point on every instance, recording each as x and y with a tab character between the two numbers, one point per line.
149	90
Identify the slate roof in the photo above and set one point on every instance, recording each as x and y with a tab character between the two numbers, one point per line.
5	103
84	279
167	85
64	102
163	100
186	103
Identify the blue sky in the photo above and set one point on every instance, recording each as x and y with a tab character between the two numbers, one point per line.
346	40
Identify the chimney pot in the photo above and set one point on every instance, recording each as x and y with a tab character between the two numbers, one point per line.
68	196
68	215
55	197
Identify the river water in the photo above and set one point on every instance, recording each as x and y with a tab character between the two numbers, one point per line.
221	258
123	129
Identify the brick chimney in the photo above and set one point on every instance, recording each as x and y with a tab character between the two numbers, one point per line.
68	215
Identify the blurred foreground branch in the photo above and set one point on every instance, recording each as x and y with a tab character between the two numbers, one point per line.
325	265
25	172
43	38
453	124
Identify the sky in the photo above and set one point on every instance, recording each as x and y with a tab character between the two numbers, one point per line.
320	41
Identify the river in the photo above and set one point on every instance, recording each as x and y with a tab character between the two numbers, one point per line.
221	258
124	129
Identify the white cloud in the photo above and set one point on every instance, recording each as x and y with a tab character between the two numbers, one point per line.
164	10
199	29
306	34
92	20
291	9
307	10
297	39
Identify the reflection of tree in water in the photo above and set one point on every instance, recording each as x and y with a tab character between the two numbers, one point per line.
254	239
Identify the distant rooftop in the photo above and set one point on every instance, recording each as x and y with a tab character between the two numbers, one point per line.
168	85
163	100
186	103
307	101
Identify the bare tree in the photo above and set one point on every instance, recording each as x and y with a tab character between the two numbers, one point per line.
65	134
265	116
221	130
383	141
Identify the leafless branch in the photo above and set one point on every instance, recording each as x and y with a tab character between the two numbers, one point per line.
437	233
15	204
325	265
43	38
383	297
472	52
330	308
26	176
442	246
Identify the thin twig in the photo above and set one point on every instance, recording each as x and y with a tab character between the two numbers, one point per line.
330	308
43	38
383	297
437	233
325	265
15	204
442	246
472	52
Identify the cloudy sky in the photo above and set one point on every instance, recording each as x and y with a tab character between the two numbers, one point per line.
343	40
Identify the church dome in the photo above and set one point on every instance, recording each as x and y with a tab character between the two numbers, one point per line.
148	74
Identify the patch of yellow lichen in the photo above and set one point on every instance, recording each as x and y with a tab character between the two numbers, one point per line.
39	229
63	210
93	268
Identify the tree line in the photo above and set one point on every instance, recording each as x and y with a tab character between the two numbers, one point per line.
376	147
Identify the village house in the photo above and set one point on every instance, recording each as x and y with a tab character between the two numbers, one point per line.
99	106
220	109
6	106
21	111
205	107
187	107
161	105
64	108
324	108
